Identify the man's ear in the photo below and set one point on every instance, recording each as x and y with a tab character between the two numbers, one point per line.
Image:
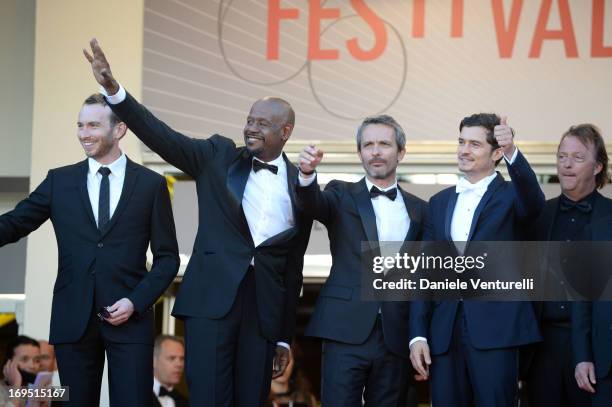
497	154
286	131
119	130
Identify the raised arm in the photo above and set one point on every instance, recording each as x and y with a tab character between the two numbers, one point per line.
185	153
317	204
529	196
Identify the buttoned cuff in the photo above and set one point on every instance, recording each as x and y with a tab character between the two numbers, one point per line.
509	161
116	98
306	180
417	339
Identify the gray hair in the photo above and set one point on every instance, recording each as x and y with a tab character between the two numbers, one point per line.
400	137
163	338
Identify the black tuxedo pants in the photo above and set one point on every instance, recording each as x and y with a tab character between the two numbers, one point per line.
228	362
551	380
130	369
365	371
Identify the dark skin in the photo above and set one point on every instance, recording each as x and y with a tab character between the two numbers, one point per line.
268	125
268	128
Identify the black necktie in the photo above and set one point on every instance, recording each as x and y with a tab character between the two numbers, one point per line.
582	206
260	165
104	201
391	194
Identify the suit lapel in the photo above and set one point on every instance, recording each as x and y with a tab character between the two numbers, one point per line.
493	186
129	182
361	196
413	209
81	182
550	211
237	177
450	209
292	179
601	207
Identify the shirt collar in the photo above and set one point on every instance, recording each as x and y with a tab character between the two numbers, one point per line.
117	167
157	386
483	183
369	185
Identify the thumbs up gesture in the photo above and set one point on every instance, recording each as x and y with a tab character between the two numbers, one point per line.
505	137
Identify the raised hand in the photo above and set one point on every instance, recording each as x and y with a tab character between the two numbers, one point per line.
101	68
309	158
505	137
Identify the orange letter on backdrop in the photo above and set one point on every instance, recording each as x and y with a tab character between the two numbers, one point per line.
566	33
598	49
418	19
275	14
378	27
316	14
457	19
506	35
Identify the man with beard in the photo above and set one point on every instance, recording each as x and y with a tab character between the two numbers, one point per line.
582	164
365	343
239	292
474	344
106	212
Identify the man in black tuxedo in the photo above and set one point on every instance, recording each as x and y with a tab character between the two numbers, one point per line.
239	293
168	365
365	343
549	366
582	165
106	211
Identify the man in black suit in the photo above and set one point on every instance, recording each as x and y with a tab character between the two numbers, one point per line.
549	366
106	211
365	343
168	365
582	165
239	293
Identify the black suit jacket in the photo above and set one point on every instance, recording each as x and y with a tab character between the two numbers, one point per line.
223	247
345	208
592	321
541	230
103	265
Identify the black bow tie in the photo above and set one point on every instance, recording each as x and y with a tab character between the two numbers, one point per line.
260	165
391	193
164	392
582	206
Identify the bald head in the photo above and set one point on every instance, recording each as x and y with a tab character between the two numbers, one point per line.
268	127
282	108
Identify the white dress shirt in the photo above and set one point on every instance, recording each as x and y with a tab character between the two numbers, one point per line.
266	202
115	182
165	401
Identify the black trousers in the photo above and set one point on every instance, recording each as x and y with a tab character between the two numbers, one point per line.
365	371
130	369
465	376
228	360
551	381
